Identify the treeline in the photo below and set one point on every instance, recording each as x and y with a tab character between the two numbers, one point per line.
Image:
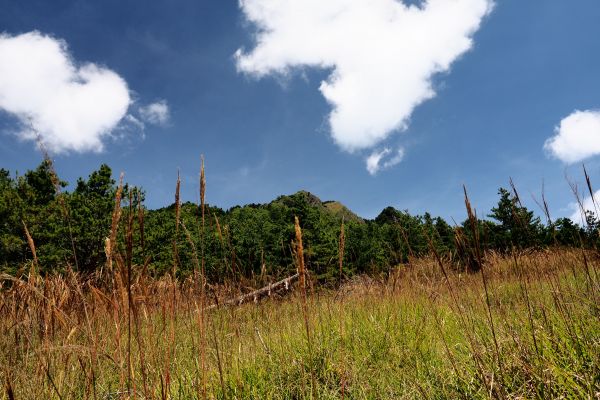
70	228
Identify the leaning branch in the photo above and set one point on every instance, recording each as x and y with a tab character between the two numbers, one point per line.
267	291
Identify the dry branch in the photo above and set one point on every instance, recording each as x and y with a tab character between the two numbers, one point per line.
267	291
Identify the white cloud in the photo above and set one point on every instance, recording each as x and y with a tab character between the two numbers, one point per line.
383	54
576	138
374	161
72	107
156	113
130	119
588	205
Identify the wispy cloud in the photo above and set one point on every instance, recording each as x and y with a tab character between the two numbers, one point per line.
383	55
576	138
376	161
156	113
70	106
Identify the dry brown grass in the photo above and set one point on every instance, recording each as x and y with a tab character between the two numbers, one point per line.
132	336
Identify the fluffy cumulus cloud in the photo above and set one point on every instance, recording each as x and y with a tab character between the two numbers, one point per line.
156	113
383	159
382	54
576	138
68	106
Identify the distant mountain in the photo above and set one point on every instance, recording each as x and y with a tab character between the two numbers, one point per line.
332	207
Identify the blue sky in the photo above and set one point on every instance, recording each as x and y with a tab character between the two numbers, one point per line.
529	67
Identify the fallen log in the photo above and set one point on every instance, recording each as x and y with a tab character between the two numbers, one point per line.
267	291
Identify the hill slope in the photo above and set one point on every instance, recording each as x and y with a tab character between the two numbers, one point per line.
332	207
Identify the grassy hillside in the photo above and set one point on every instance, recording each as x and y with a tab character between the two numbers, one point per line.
525	327
341	211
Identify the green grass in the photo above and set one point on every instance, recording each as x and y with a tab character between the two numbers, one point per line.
413	335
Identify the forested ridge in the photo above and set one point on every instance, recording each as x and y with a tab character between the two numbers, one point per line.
69	229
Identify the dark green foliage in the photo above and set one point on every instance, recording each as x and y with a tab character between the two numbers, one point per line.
517	226
252	240
90	210
54	218
12	241
564	232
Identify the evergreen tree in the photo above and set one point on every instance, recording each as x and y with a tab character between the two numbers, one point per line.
516	224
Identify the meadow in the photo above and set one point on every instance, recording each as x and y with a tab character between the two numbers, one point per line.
525	326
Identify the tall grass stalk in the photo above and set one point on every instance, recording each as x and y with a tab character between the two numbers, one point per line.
202	308
31	245
303	301
477	244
